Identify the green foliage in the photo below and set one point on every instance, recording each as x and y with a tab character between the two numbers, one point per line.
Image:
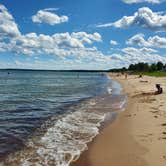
139	67
156	73
160	66
156	69
145	67
153	67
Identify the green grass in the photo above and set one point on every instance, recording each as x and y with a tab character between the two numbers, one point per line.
155	74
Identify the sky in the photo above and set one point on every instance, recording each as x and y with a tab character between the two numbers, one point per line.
81	34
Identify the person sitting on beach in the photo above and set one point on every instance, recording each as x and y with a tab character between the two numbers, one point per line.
125	75
159	89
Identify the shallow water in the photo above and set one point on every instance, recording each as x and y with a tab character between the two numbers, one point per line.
48	117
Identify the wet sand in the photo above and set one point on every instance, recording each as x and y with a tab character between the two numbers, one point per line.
138	135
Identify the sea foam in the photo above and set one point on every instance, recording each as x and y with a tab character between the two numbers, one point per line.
63	138
64	141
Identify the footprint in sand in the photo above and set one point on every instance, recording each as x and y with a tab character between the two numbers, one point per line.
154	111
146	137
162	138
128	115
164	133
154	108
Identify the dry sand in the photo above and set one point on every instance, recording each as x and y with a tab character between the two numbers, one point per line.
138	135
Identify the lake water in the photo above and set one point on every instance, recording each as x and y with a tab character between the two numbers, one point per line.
48	117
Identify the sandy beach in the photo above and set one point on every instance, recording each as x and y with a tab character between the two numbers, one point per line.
138	136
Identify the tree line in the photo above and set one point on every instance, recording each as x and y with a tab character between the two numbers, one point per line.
142	67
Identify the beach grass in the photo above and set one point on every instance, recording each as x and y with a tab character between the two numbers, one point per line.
154	74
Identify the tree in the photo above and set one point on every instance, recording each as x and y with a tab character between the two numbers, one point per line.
160	66
165	67
131	67
124	69
153	67
142	66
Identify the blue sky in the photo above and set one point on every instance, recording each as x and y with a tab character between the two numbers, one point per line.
76	34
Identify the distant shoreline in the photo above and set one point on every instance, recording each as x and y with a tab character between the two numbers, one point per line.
55	70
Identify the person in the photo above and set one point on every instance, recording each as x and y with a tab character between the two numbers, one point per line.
159	89
125	75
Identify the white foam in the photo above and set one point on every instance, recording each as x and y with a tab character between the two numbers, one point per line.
109	90
68	136
123	103
64	141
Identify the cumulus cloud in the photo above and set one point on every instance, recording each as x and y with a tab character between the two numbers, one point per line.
131	55
152	41
142	1
132	50
51	9
78	45
47	16
8	27
136	55
113	42
87	38
59	44
144	17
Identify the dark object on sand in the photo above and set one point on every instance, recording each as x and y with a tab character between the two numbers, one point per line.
125	75
143	81
140	76
159	89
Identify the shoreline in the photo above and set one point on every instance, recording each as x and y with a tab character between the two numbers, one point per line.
141	126
76	128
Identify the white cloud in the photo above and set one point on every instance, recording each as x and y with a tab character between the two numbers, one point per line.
153	41
3	47
132	50
134	55
8	27
74	50
60	44
131	55
51	9
93	59
46	16
144	17
142	1
87	38
138	39
113	42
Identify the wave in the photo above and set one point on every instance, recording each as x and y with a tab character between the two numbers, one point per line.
63	138
64	141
